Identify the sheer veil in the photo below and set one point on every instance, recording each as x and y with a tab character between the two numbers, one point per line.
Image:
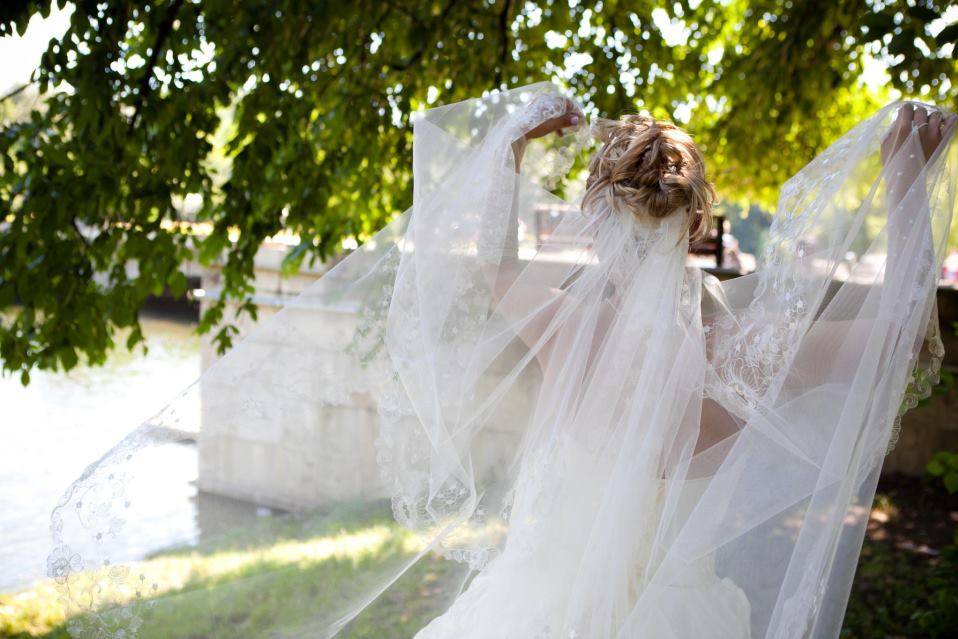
578	435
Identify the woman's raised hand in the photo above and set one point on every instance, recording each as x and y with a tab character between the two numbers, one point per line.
571	117
932	129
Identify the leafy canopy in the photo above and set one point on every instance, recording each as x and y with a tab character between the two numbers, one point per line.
291	115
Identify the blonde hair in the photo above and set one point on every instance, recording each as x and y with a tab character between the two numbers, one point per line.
650	167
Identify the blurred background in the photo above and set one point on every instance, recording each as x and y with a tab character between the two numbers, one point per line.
174	170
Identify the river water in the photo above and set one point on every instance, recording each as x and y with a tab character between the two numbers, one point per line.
60	423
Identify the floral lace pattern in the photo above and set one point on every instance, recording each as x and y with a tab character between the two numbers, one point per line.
752	348
96	503
925	375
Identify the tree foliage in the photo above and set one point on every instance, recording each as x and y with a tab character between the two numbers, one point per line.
307	105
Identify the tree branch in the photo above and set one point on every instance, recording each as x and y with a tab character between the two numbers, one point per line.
162	33
17	91
503	41
79	232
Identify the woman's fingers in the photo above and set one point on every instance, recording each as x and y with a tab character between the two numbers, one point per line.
571	118
898	132
907	114
934	122
927	136
907	122
931	126
938	129
933	138
888	140
557	123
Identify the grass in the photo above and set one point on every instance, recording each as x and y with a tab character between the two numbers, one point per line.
274	579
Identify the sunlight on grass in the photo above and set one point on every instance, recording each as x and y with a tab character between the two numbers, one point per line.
177	571
246	585
31	613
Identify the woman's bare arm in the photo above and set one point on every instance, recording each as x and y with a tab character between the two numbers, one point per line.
932	130
502	276
831	341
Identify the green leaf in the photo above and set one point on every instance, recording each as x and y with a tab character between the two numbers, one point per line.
134	338
951	482
178	284
294	259
68	358
935	467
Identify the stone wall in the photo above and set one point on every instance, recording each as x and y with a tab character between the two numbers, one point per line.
305	454
299	454
266	465
933	425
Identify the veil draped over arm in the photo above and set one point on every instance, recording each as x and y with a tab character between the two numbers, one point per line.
813	354
503	415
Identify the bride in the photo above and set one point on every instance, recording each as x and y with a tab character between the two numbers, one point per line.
606	442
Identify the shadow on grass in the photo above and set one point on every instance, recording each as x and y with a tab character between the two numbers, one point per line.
896	593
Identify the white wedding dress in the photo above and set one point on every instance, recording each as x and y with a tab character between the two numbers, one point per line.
520	594
583	437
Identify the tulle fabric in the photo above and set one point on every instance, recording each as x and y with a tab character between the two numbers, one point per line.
580	436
